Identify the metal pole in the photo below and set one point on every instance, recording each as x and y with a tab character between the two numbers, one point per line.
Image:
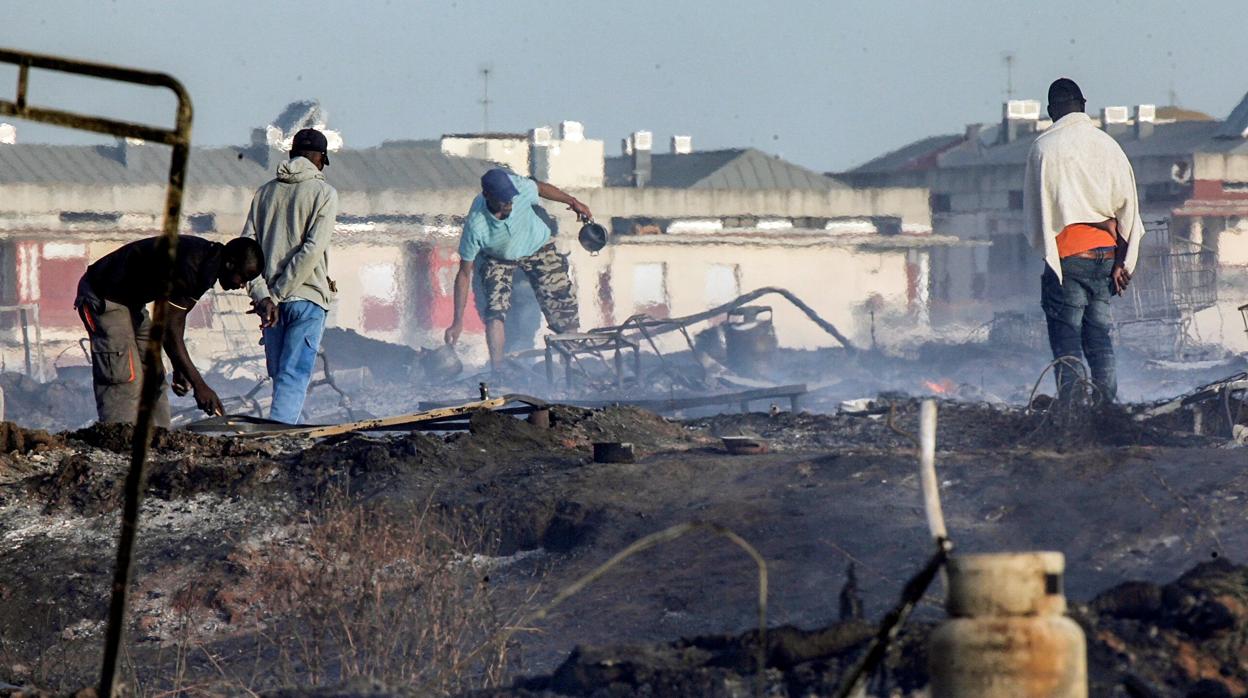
927	470
24	320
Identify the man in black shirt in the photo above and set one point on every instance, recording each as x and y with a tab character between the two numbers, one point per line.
112	300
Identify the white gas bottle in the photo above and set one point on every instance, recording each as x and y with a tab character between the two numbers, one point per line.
1007	634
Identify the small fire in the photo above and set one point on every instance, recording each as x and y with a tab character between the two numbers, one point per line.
942	387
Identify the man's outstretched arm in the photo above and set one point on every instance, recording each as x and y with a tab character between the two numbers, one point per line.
183	368
550	192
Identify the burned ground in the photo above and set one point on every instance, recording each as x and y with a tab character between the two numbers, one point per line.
227	520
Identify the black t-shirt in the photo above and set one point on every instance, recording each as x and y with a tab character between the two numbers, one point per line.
133	274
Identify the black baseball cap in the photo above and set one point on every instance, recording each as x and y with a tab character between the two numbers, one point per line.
312	141
1065	90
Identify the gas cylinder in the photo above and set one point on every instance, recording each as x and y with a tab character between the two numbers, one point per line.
1007	634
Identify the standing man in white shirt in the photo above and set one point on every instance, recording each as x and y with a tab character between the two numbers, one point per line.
1081	209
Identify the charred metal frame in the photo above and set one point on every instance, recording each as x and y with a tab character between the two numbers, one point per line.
179	139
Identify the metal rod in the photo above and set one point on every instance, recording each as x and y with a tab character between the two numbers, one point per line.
24	317
112	127
153	384
23	78
180	138
891	625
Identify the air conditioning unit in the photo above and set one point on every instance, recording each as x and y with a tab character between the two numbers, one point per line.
1146	112
8	134
1022	109
542	135
682	145
1114	115
643	140
571	131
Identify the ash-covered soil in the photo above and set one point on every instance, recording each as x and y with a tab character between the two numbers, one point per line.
245	542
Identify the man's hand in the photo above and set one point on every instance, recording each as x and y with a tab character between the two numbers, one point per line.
181	384
1120	278
267	310
206	399
581	210
453	332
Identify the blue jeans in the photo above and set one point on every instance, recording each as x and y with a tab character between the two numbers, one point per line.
1077	311
290	349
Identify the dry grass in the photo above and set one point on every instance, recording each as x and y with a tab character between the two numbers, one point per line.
392	599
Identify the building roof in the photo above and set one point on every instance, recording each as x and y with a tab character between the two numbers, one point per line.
743	168
1177	133
393	166
917	155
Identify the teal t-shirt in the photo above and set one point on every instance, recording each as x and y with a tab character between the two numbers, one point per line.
521	234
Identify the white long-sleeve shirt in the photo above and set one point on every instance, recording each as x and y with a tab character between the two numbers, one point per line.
1077	173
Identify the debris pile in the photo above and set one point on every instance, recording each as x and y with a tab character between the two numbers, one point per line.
224	517
1185	638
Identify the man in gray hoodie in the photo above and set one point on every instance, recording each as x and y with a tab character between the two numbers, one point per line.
292	217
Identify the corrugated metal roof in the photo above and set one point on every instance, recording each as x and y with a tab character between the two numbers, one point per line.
904	157
387	167
738	168
1236	125
1177	139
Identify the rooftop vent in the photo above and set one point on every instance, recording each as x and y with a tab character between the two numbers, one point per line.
1115	115
541	136
1145	116
1018	116
639	145
571	131
682	145
1021	109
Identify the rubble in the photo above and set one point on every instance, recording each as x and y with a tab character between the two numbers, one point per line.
1127	500
1184	638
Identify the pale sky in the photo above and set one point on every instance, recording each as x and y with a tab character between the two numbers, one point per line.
824	83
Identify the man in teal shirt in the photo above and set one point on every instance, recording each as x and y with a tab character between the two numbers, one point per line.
504	231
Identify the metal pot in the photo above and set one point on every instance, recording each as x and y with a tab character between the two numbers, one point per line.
593	237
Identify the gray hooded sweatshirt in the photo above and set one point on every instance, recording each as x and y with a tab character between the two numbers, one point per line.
292	217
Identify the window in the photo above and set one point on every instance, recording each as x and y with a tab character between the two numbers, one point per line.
1016	199
941	203
650	289
723	283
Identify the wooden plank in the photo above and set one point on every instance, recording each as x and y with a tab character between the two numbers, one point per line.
385	422
673	404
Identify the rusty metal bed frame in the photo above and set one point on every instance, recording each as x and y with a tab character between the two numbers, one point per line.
179	139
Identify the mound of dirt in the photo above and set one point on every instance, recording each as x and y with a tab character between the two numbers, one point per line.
960	426
1179	638
647	431
16	440
118	438
81	484
365	464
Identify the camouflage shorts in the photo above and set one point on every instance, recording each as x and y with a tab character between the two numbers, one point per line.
548	273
